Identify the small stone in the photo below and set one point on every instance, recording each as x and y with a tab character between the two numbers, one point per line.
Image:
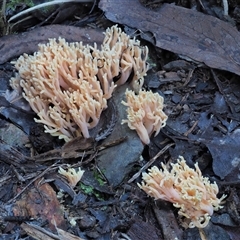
87	221
92	234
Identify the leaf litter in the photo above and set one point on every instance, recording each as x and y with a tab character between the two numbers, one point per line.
202	105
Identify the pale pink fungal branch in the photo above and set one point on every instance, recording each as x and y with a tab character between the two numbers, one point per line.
145	113
186	188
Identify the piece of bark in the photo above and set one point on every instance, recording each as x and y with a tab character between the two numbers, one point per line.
143	230
37	232
14	45
10	155
40	233
183	31
63	235
167	220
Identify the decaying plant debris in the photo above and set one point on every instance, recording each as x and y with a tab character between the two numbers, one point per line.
201	103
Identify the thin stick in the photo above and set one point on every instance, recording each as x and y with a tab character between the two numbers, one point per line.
225	7
32	181
151	161
46	4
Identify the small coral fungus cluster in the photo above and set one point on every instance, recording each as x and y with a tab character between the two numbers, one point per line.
68	84
145	113
186	188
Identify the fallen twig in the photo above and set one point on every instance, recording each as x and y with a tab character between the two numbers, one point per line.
33	180
151	161
46	4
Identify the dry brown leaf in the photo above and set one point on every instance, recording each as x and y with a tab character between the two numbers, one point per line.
14	45
40	202
183	31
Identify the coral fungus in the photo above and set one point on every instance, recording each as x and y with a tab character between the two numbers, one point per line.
186	188
72	175
145	113
68	84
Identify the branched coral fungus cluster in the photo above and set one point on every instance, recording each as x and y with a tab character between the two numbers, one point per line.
186	188
68	84
145	113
